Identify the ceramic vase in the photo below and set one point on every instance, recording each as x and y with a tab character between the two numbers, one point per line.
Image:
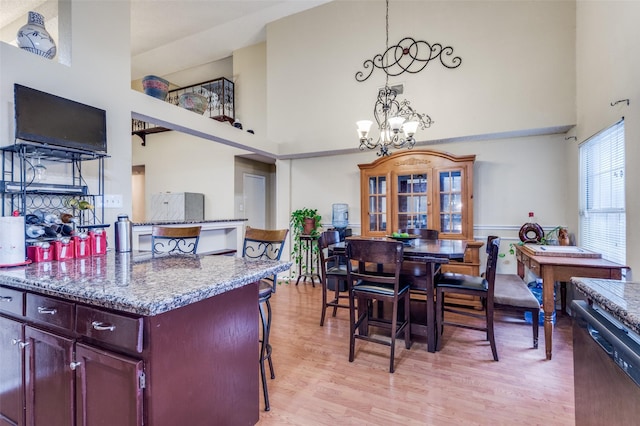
155	86
193	102
34	38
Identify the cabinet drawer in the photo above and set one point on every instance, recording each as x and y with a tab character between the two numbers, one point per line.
110	328
50	311
11	301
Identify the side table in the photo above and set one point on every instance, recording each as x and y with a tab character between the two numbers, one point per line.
310	263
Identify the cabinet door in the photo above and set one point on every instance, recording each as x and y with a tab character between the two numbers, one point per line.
451	197
108	388
49	379
375	216
11	382
413	203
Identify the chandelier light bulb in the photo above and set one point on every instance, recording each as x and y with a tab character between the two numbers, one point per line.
363	128
410	128
395	123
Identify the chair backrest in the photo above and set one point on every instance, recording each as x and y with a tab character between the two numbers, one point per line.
264	244
326	239
381	252
175	240
493	247
425	234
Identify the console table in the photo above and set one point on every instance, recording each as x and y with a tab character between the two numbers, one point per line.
561	268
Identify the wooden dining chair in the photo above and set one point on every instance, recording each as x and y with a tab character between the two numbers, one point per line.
367	286
452	283
333	270
175	240
265	244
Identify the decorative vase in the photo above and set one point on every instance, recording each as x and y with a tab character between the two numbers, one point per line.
193	102
155	86
309	225
34	38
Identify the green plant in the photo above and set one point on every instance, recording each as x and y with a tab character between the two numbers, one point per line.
297	221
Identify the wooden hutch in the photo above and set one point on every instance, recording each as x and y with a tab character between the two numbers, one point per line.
422	189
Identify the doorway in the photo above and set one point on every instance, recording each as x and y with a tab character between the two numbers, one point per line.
255	200
138	194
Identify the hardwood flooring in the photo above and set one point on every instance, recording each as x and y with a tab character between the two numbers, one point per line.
316	384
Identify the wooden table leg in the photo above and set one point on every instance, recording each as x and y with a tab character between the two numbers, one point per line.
549	307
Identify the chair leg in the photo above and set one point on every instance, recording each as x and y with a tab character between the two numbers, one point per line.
324	300
407	318
336	297
394	332
352	326
265	349
535	317
492	338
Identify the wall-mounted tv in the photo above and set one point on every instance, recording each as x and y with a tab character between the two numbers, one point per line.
51	120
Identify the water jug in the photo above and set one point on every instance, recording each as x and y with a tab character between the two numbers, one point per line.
340	217
123	234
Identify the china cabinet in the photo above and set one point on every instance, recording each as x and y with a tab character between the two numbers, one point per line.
421	189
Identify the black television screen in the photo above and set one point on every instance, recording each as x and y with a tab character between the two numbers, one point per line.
48	119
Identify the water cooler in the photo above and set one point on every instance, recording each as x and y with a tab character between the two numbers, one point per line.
340	220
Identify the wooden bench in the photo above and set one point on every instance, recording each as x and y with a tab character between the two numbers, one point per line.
512	292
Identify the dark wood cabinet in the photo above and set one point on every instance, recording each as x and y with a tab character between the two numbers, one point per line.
108	388
49	379
88	365
12	390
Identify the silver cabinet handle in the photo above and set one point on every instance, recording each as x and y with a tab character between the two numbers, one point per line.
20	343
6	299
75	365
50	311
101	326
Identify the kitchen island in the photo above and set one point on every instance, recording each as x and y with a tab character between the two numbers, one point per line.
619	298
131	339
606	352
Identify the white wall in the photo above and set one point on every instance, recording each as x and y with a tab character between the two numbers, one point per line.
517	72
98	75
608	70
178	162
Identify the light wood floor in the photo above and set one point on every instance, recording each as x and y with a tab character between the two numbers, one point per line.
316	384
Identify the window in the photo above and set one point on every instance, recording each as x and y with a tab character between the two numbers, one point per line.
602	202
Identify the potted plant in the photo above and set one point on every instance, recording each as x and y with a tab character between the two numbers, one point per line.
303	222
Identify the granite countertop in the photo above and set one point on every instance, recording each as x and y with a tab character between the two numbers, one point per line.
620	298
137	282
185	222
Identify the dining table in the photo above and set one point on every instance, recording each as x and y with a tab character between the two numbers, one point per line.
431	253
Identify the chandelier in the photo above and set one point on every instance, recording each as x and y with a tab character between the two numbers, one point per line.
397	121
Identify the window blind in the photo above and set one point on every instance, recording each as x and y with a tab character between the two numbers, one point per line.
602	200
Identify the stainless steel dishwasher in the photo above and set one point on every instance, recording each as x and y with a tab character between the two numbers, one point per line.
606	364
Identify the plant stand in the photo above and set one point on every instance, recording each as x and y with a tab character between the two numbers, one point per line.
309	259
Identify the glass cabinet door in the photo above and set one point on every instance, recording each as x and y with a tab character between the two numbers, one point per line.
377	205
412	193
451	201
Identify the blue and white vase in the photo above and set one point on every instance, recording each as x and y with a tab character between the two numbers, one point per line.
34	38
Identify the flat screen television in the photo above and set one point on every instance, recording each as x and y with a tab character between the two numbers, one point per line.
51	120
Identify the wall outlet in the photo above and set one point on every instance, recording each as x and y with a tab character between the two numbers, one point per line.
112	201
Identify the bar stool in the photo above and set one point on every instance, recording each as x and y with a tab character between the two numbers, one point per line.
332	268
264	244
175	240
